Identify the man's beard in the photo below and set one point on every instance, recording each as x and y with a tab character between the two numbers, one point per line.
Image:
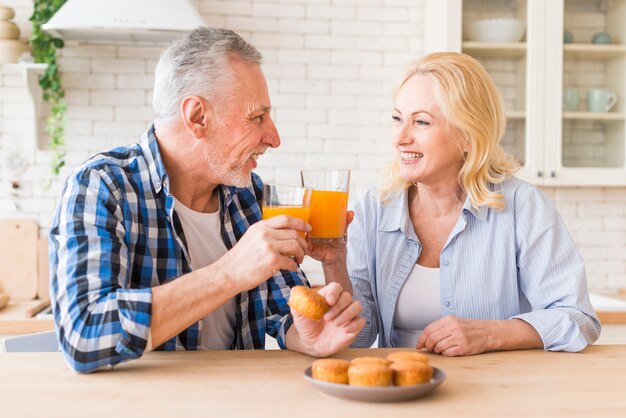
236	176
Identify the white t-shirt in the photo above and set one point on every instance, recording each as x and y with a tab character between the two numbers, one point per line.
418	305
205	246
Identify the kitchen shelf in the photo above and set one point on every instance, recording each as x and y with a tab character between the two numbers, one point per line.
31	73
558	148
593	51
494	49
608	116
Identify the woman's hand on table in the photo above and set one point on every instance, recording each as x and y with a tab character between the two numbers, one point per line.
454	336
334	332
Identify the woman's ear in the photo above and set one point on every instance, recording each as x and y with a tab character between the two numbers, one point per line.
196	115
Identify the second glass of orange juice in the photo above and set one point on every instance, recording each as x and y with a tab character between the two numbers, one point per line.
329	202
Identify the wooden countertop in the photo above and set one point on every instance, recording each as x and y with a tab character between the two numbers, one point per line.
13	319
531	383
611	315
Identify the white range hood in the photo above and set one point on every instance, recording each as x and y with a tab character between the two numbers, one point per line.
123	21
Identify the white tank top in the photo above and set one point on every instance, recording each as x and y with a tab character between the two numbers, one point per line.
418	305
205	246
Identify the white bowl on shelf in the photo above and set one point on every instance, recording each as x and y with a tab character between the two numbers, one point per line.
496	30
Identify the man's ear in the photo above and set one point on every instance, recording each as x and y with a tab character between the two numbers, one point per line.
196	115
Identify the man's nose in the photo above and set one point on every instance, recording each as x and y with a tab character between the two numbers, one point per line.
270	134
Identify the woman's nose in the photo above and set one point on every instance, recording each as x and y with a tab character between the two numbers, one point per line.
401	135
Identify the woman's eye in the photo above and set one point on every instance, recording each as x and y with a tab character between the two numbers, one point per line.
421	122
396	119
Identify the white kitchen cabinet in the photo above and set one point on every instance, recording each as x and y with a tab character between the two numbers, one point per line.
556	147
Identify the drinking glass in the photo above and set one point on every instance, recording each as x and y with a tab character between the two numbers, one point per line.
329	202
279	199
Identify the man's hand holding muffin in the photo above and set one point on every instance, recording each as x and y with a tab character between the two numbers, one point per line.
325	321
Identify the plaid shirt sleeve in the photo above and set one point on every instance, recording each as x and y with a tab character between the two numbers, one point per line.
279	318
265	307
100	320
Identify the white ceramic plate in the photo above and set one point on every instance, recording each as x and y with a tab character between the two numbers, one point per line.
377	394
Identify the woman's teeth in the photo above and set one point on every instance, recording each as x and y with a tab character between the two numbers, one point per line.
411	155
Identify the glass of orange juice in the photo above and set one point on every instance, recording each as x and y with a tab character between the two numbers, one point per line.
329	202
279	199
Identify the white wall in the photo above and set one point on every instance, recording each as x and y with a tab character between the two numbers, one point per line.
329	64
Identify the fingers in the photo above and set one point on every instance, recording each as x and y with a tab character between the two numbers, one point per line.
352	329
289	248
434	338
349	313
432	327
349	217
288	222
343	308
453	351
283	231
331	292
344	338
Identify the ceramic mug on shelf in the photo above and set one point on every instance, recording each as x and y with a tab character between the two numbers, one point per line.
571	97
600	100
602	38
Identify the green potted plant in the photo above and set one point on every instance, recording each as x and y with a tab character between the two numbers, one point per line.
44	51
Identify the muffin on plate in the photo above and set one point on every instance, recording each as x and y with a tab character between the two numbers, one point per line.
408	373
407	356
331	370
371	360
369	375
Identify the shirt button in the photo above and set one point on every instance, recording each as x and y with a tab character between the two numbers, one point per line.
448	304
446	263
157	184
465	211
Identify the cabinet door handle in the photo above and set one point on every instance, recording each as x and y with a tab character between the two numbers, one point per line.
539	173
553	174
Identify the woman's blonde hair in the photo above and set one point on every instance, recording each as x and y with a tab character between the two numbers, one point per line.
472	106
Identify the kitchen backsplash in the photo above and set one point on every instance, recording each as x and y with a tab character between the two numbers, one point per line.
330	66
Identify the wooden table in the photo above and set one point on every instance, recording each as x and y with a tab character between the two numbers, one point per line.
529	383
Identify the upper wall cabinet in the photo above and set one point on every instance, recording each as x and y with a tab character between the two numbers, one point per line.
563	80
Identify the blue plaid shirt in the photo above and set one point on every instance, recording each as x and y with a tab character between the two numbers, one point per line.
115	235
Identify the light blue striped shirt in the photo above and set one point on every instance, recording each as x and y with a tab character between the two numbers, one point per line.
517	263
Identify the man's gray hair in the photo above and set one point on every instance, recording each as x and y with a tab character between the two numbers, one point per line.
197	64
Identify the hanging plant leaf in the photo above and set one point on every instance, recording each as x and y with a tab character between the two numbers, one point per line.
45	51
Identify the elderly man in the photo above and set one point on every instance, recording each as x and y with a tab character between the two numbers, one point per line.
160	245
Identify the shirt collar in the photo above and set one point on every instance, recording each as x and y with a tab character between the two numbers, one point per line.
479	213
150	148
395	214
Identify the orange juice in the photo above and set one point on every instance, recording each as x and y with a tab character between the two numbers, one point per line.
295	211
328	213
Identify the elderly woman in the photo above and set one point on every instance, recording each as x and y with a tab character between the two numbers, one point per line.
452	253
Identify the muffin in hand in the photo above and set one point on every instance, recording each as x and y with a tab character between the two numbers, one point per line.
308	303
